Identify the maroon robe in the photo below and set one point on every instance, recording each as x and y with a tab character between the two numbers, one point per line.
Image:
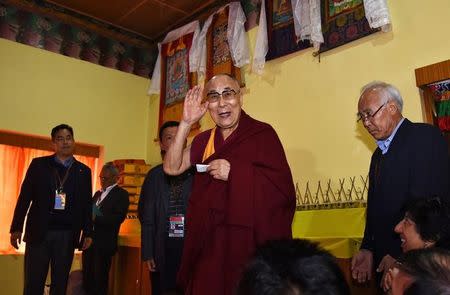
227	220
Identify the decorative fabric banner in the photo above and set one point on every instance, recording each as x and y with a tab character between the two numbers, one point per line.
343	21
441	94
32	28
252	11
261	46
224	42
281	31
194	52
177	79
307	21
377	14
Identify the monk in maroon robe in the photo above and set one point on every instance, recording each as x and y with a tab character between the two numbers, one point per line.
245	197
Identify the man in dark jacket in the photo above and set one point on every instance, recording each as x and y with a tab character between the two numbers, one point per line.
411	161
109	209
57	191
162	207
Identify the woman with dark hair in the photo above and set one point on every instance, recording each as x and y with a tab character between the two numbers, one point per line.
422	272
426	224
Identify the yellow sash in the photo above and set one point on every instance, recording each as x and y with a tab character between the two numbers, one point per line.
209	149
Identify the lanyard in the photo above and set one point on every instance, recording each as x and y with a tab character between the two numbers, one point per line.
61	182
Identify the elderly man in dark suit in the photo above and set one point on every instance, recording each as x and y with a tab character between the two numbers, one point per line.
110	206
57	191
411	161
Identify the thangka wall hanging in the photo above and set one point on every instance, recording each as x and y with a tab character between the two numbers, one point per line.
174	72
325	24
280	29
224	43
31	28
343	21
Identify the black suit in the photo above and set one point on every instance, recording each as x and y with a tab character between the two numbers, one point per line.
45	241
415	166
97	259
153	215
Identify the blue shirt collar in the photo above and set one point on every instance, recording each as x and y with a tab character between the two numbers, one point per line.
384	144
65	163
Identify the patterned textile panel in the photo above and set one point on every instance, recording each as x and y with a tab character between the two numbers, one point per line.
281	32
343	21
441	93
218	51
176	79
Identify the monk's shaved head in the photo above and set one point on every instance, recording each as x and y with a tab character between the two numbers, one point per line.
233	80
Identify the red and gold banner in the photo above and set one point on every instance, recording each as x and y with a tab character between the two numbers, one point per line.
176	79
218	59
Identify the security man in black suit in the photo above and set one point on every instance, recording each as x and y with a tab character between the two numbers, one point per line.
109	209
57	191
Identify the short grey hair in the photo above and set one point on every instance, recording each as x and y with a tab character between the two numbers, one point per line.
388	91
111	168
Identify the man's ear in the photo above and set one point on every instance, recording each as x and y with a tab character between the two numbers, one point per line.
392	107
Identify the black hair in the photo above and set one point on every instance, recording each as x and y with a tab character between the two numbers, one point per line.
429	268
432	219
284	267
61	127
425	286
167	125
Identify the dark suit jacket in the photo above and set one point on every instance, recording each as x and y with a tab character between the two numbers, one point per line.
415	166
153	204
114	209
38	188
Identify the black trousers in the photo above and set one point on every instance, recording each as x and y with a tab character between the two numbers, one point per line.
165	282
55	250
96	264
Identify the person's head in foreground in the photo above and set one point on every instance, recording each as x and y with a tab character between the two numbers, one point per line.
292	267
426	224
422	271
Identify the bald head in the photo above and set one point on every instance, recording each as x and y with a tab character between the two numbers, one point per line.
227	78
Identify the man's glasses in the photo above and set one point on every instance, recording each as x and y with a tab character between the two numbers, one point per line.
368	115
227	94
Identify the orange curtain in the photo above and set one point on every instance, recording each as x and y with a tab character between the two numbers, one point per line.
14	162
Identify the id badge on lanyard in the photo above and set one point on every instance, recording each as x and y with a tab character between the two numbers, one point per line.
60	195
176	228
60	200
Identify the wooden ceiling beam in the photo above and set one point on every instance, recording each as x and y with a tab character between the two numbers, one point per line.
71	20
208	7
133	9
170	6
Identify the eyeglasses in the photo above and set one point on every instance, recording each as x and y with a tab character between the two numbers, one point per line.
227	94
368	115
